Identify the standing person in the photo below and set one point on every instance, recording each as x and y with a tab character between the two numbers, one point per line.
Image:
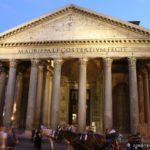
106	132
11	139
38	140
33	134
3	137
16	141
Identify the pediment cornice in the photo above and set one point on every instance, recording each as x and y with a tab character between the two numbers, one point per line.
73	8
103	41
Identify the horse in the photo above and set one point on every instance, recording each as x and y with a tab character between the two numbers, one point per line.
87	141
51	135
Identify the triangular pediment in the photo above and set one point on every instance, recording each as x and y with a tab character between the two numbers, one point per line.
73	23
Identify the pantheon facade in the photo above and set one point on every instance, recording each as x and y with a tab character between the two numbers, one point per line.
76	66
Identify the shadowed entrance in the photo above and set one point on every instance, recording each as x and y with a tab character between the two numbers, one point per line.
121	109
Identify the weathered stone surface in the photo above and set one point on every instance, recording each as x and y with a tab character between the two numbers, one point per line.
67	26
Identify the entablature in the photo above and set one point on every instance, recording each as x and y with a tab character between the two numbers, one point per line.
70	42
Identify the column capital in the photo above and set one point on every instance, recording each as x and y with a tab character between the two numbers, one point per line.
58	61
108	61
13	63
132	62
83	61
34	62
42	66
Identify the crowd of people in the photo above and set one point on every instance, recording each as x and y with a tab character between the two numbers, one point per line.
8	138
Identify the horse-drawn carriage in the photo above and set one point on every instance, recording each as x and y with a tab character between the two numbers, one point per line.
83	141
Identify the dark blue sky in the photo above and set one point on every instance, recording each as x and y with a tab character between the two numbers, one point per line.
15	12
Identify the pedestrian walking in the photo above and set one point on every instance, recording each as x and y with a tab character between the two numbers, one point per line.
38	140
11	139
33	134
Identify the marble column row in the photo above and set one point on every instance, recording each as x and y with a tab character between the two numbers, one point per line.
34	87
134	112
81	95
14	84
38	97
108	121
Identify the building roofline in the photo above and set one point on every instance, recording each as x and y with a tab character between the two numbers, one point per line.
70	8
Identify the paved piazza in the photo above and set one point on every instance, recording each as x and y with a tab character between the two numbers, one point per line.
26	144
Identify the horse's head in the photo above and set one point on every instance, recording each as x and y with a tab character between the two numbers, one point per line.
119	137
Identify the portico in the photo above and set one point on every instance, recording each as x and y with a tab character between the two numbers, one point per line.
108	57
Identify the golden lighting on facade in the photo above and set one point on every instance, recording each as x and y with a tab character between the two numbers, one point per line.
12	118
52	63
14	111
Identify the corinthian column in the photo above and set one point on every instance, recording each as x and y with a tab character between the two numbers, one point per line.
46	99
108	121
134	108
82	96
55	93
32	95
40	86
18	98
10	92
2	91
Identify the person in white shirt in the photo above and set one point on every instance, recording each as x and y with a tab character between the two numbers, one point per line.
3	138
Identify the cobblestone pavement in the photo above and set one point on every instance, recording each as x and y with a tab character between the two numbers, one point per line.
26	144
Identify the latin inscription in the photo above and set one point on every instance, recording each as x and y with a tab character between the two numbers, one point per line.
72	50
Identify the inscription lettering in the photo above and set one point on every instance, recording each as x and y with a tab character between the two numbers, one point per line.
72	50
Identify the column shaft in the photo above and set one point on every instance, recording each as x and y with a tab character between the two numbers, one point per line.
148	66
18	98
2	93
134	108
55	93
46	99
108	114
10	92
32	95
146	96
40	86
82	96
141	99
49	99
